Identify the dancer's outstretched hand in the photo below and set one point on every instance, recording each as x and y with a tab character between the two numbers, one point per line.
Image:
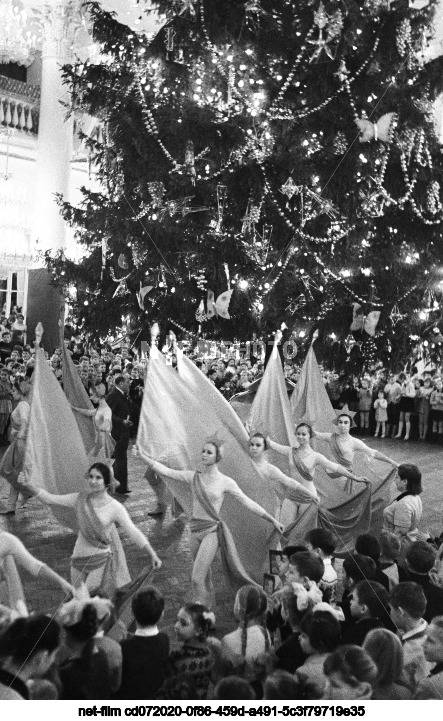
362	479
278	526
156	562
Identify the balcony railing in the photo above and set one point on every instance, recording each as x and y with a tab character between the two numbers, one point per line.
19	105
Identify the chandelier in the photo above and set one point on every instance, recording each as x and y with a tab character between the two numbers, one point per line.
17	43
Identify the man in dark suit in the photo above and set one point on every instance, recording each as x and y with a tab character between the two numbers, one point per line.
118	401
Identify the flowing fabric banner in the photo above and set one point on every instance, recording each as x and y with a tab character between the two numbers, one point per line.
55	456
180	410
78	397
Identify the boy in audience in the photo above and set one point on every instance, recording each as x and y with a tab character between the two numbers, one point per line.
146	652
408	605
368	545
305	568
369	603
420	559
321	541
290	654
356	568
390	547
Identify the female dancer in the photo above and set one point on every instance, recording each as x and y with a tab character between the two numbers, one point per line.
208	532
102	418
343	446
304	459
282	485
98	558
12	549
12	463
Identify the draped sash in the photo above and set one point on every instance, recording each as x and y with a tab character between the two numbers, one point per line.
115	572
14	588
231	562
342	459
301	467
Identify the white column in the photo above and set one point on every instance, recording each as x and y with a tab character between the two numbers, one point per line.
60	22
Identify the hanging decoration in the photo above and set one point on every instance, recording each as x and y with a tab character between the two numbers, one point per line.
122	288
122	261
104	247
395	315
200	315
185	6
433	203
254	13
201	279
325	206
290	188
142	293
158	191
332	25
219	307
367	323
250	218
189	163
382	130
349	343
222	194
170	34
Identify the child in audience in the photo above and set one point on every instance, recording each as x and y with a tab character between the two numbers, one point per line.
408	604
381	414
390	547
274	620
420	558
356	568
5	403
245	651
351	673
289	654
432	687
194	659
319	635
282	685
385	649
321	541
145	653
369	605
305	568
233	688
368	545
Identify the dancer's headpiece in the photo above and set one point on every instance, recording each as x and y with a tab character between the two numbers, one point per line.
344	412
216	440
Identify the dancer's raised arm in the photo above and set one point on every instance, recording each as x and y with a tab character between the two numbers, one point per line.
283	450
51	499
162	470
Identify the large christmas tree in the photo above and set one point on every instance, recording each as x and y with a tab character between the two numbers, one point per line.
282	150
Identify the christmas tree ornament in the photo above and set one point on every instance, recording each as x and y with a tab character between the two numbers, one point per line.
122	261
403	38
219	307
189	163
185	6
122	288
361	322
141	295
395	316
333	26
170	34
157	191
433	203
349	343
254	13
382	130
290	188
340	143
342	73
200	315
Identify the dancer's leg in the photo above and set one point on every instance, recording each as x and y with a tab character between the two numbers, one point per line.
408	426
204	552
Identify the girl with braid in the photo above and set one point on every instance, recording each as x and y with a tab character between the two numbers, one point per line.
245	651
